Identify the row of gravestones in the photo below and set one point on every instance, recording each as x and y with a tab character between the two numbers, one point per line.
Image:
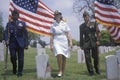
102	50
106	49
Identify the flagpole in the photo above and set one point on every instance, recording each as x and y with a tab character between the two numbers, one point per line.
6	59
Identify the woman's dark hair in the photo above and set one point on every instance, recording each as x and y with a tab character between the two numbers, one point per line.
56	13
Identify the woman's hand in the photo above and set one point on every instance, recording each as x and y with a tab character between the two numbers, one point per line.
7	42
70	46
51	42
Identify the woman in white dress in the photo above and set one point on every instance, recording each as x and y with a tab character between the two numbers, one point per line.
60	41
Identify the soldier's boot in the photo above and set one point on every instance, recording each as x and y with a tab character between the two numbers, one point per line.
97	71
14	63
20	68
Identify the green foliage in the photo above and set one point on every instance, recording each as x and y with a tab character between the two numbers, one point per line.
78	43
105	37
75	42
33	36
73	71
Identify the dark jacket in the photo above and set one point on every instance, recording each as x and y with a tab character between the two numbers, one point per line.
88	36
16	33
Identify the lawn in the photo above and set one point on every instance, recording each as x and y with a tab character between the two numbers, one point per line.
74	71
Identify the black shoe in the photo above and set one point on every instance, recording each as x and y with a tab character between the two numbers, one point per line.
14	72
91	73
19	74
98	72
14	69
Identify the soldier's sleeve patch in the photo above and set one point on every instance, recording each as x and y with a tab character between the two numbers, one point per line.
20	24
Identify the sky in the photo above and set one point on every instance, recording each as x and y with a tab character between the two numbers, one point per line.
64	6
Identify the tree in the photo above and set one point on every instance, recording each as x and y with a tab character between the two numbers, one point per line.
105	38
79	6
33	36
74	42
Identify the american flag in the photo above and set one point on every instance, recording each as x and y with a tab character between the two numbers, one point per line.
107	14
36	14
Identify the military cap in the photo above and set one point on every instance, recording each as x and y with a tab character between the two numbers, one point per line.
85	14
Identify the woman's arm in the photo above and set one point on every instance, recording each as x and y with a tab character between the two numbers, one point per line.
69	39
51	42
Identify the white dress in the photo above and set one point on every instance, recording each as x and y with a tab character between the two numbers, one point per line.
60	41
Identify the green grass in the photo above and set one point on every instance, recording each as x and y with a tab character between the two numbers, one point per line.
73	71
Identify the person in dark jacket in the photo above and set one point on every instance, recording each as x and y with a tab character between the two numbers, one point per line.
16	37
89	41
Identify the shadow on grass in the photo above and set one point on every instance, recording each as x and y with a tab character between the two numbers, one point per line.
102	72
29	70
9	72
54	73
84	73
5	74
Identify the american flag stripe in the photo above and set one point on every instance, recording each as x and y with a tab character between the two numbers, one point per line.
45	8
107	7
37	31
107	14
39	22
115	33
116	16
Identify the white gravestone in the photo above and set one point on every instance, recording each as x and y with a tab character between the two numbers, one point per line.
81	56
111	67
42	69
40	49
106	50
118	58
1	52
101	49
74	48
110	48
